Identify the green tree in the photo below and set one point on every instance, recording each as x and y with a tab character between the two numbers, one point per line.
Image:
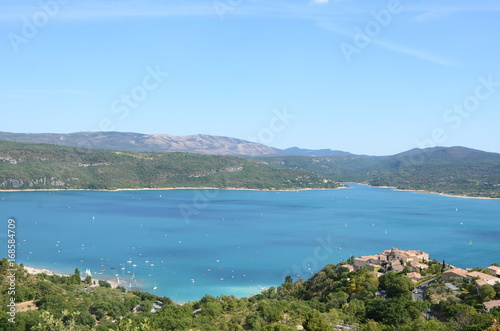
288	284
396	285
487	293
212	308
75	277
315	321
355	311
372	326
88	279
103	283
336	299
271	312
254	321
277	327
461	315
393	311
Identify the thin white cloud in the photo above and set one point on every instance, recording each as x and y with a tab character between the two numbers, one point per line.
61	92
99	10
33	93
430	16
417	53
435	11
420	54
464	6
92	10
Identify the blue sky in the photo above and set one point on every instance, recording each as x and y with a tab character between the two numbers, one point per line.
371	77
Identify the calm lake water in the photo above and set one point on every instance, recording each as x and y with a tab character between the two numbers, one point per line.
188	243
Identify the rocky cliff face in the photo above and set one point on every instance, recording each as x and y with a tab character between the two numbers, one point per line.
136	142
16	183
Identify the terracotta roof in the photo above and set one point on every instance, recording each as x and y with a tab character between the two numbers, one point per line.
479	274
494	269
361	258
491	304
397	268
481	282
348	266
419	265
366	258
414	275
457	271
492	280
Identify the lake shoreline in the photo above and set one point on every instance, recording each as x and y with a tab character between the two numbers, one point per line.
430	192
177	188
114	284
244	189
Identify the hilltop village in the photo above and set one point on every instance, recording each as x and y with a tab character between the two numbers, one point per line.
415	264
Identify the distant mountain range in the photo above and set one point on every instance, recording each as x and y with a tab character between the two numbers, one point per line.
126	160
137	142
295	151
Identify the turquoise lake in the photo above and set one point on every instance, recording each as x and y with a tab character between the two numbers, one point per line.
187	243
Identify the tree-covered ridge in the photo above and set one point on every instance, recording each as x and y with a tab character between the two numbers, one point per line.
454	170
334	298
42	166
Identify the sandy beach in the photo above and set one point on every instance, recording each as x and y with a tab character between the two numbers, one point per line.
36	271
174	188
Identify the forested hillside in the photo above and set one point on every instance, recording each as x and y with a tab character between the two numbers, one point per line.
454	170
42	166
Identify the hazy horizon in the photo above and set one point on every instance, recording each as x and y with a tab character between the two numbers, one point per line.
334	149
